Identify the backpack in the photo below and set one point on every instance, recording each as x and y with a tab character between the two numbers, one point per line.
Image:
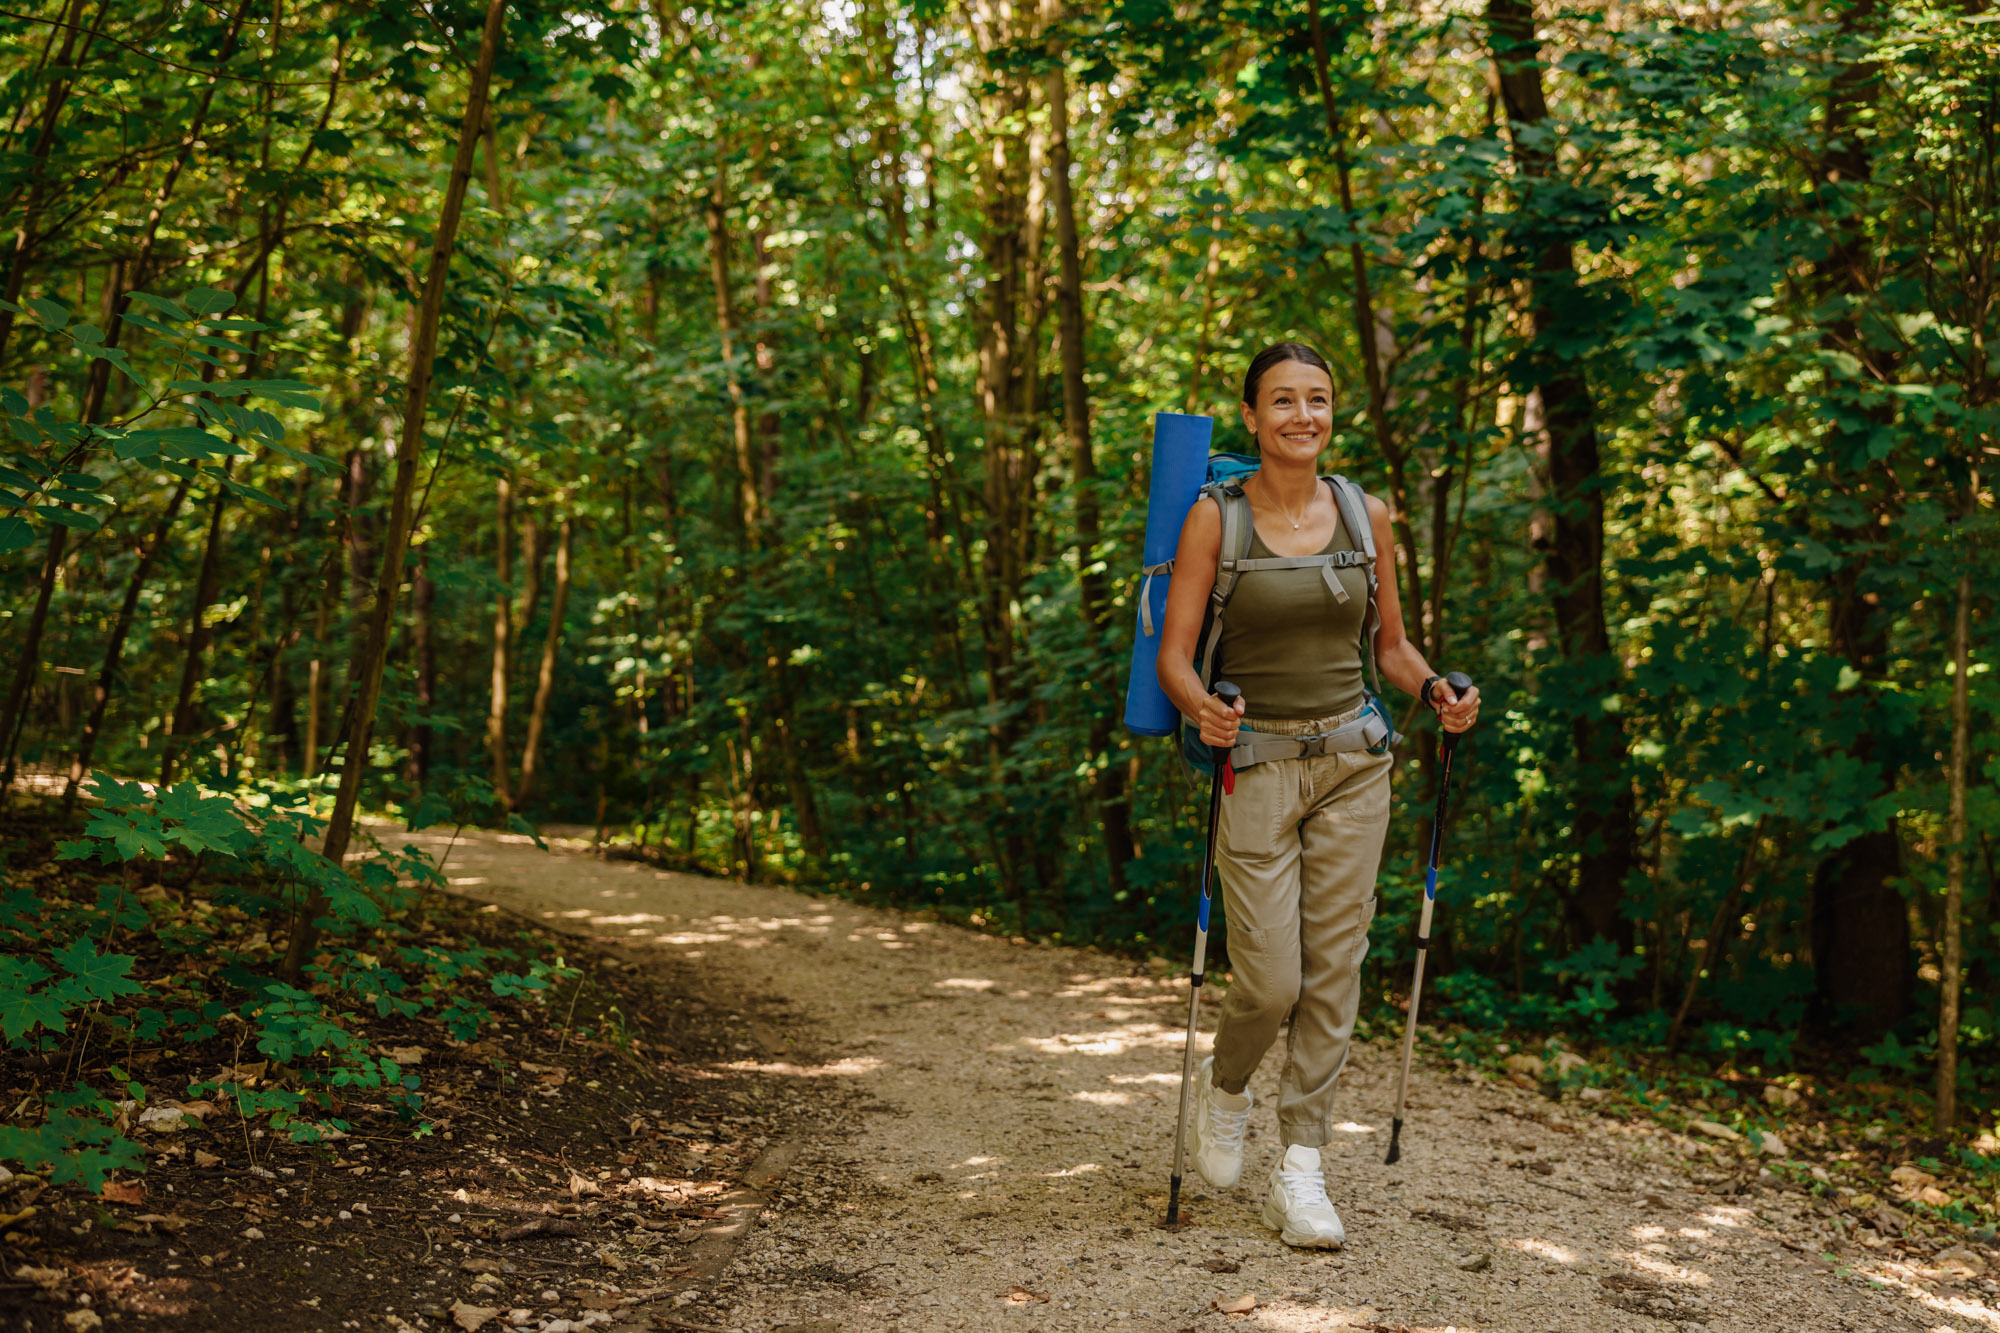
1226	474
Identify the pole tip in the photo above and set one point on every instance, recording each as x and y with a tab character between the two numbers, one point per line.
1395	1143
1174	1202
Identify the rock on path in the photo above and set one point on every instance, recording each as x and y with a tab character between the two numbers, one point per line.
1004	1160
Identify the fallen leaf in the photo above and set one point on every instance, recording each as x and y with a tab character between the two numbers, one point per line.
1022	1296
1243	1304
1476	1263
407	1055
202	1158
580	1185
130	1192
41	1277
485	1266
1714	1131
1912	1178
1222	1265
470	1317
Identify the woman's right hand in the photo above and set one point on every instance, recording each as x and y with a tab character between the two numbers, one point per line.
1219	721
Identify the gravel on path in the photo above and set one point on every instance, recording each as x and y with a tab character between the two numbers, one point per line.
1002	1162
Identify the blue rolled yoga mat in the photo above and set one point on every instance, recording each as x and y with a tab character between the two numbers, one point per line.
1180	466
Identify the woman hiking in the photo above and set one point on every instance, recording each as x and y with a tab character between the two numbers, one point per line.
1301	837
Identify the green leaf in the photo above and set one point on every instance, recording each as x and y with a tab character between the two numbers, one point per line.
69	518
101	975
76	497
209	300
173	310
249	492
150	325
287	393
23	1010
52	314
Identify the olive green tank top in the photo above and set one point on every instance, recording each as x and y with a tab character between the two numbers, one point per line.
1288	644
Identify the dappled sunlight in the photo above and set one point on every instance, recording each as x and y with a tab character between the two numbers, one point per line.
1353	1127
1543	1249
1080	1169
980	1161
1902	1279
1100	1043
1142	1078
458	880
853	1067
1693	1233
1728	1215
982	984
1665	1269
1103	1098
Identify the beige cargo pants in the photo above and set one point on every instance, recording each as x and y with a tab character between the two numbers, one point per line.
1297	851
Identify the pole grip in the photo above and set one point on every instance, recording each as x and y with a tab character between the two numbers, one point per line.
1460	683
1229	695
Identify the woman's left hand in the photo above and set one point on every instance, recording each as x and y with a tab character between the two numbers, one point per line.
1457	714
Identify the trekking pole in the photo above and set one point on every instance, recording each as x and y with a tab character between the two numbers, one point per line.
1459	683
1218	784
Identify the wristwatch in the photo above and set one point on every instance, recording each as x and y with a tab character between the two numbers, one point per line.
1424	694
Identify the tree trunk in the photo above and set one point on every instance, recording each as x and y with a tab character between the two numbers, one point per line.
181	722
29	665
423	598
367	674
503	638
545	673
316	682
1862	960
748	493
1953	961
1108	776
114	649
1601	793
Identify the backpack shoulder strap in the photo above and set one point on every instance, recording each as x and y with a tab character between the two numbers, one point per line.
1353	503
1237	530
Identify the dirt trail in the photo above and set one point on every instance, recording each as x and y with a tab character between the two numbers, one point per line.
1003	1160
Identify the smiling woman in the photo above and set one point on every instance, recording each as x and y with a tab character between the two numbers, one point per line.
1299	841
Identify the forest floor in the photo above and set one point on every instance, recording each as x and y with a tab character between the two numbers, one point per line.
824	1116
1000	1153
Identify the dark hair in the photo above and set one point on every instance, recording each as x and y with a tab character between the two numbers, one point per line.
1275	355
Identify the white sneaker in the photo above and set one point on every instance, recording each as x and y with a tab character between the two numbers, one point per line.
1219	1118
1297	1206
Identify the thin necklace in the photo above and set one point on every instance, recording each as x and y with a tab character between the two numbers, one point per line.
1302	513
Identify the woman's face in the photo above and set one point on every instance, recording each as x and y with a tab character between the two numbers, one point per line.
1293	416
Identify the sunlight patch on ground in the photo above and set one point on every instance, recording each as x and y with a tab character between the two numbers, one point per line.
468	879
1080	1169
1103	1098
628	919
1666	1270
1909	1283
1649	1232
1543	1249
1354	1127
1143	1078
1693	1233
980	1161
1728	1215
852	1067
1100	1043
966	983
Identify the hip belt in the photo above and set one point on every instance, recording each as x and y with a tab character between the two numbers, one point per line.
1369	731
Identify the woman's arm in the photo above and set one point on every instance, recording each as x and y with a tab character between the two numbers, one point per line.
1187	603
1396	657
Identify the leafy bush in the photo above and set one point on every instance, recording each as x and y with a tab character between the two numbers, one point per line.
244	860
